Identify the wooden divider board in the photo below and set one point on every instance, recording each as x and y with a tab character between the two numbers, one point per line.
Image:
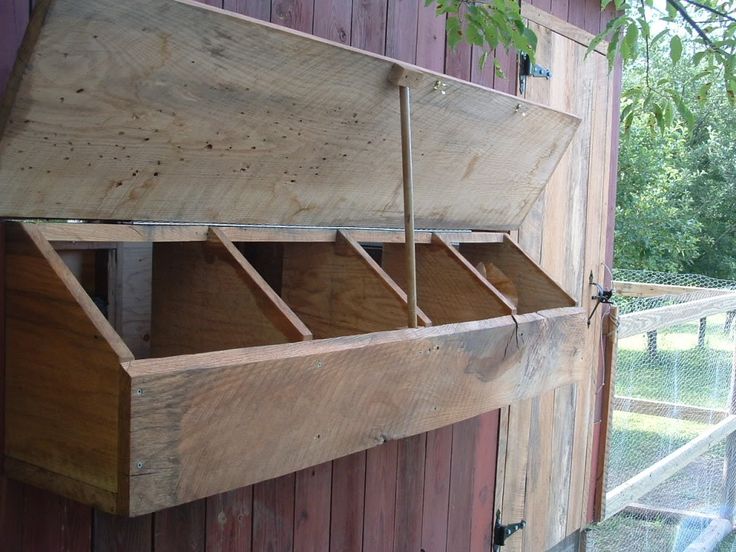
535	289
174	111
207	297
449	289
337	289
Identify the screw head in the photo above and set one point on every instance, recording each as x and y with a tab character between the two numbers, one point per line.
139	464
139	392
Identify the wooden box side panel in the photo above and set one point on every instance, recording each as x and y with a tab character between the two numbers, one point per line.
213	422
62	376
510	269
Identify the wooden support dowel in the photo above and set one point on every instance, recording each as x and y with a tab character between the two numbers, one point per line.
406	161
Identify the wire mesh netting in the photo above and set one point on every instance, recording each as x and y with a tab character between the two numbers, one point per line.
670	386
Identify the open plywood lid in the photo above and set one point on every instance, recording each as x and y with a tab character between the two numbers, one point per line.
157	110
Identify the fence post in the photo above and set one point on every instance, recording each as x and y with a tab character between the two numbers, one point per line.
729	470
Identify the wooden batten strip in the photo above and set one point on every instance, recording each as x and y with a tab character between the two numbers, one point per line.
70	236
560	26
280	312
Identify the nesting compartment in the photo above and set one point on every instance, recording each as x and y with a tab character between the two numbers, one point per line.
230	355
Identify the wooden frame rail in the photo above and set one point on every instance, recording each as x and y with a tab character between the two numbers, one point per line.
664	409
636	323
617	499
641	289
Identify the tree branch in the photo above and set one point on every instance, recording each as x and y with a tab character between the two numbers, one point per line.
698	29
714	11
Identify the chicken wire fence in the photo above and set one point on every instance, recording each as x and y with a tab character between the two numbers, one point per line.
670	386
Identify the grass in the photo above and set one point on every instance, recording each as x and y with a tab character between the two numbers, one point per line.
681	372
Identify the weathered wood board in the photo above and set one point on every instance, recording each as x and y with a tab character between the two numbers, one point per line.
170	111
196	419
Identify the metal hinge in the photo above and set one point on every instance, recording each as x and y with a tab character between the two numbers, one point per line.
526	69
503	532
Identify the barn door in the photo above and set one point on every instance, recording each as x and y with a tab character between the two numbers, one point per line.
545	443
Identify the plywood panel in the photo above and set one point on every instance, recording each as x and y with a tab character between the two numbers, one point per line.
255	137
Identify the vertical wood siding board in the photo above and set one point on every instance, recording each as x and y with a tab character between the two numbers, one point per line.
11	492
606	16
503	437
545	5
273	514
615	107
435	509
515	475
368	29
259	9
229	521
52	522
484	481
462	468
120	534
507	60
563	442
410	492
347	502
430	38
312	509
380	498
576	13
401	30
295	14
540	472
333	19
215	3
560	9
593	16
181	528
14	16
485	76
458	60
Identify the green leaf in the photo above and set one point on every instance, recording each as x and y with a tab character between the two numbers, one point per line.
675	49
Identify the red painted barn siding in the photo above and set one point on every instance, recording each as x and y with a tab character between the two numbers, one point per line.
432	492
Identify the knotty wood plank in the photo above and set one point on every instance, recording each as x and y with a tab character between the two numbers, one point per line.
410	492
207	297
294	14
229	521
477	181
335	397
652	319
348	499
534	288
58	339
258	9
312	509
122	534
337	289
369	26
449	288
332	20
380	498
273	514
181	528
437	489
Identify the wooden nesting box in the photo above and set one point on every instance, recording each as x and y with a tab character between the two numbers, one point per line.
247	161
